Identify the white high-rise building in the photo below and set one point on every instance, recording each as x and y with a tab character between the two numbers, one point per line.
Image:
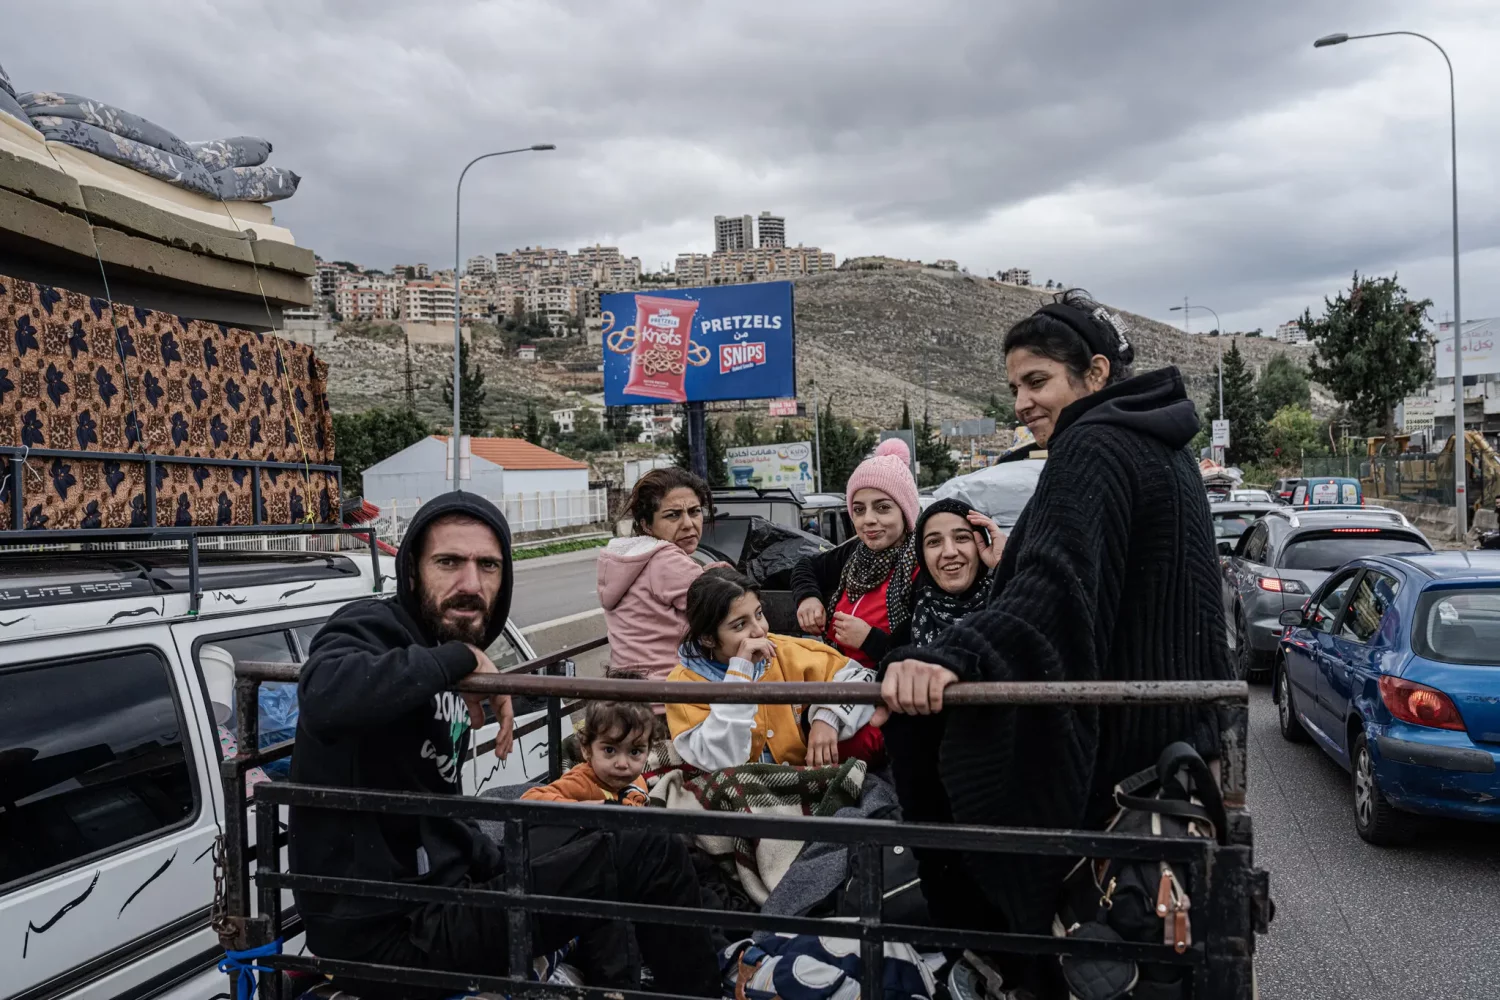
427	302
734	232
479	264
1291	333
770	231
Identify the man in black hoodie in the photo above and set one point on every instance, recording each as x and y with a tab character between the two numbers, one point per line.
1111	573
376	711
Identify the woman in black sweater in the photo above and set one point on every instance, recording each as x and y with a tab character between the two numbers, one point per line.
1110	574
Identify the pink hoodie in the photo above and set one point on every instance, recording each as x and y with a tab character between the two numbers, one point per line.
643	585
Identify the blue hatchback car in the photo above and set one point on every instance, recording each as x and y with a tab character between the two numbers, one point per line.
1393	668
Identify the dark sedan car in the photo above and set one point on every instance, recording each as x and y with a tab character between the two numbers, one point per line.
1283	558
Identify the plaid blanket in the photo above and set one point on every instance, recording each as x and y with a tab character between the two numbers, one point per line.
765	789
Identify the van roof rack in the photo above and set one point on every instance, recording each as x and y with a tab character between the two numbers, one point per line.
21	540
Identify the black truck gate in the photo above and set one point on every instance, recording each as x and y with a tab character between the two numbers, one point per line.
1230	903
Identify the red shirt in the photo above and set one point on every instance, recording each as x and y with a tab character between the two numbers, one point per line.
869	608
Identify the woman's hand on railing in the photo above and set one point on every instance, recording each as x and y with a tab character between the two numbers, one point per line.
913	687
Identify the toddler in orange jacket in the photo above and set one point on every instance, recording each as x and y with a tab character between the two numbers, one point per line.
615	738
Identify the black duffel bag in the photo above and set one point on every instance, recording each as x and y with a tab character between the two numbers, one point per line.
1108	899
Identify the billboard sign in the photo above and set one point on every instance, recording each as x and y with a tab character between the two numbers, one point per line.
1221	434
782	408
976	427
1481	348
1419	414
681	345
765	466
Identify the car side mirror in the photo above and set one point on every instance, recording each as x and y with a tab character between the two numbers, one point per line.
1292	619
1226	547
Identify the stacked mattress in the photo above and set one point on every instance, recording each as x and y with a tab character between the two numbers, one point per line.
79	375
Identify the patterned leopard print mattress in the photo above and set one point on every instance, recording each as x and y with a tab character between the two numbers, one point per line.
76	374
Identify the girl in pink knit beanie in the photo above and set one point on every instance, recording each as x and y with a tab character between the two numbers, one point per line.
858	595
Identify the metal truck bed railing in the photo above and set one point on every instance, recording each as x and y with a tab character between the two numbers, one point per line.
1228	893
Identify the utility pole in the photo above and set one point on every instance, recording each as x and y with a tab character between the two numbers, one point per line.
926	390
411	389
1186	312
817	438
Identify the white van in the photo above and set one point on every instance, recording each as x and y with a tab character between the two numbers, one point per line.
115	714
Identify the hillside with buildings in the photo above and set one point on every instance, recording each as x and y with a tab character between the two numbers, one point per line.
871	335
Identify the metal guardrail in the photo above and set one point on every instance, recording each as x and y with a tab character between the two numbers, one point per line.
1222	879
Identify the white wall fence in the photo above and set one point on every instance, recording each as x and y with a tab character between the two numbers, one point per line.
545	510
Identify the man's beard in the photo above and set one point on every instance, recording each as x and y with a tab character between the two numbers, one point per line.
443	630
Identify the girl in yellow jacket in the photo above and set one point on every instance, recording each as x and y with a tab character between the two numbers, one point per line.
728	641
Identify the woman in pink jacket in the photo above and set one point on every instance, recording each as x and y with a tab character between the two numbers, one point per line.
644	579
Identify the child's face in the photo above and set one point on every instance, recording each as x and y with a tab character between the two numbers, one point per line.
619	758
746	620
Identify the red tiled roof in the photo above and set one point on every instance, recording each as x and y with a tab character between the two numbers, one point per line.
517	453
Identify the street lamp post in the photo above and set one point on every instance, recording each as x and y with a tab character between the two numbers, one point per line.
1184	309
1460	473
458	299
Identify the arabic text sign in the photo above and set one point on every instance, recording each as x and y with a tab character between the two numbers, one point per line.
1221	434
770	465
1481	348
1419	414
735	342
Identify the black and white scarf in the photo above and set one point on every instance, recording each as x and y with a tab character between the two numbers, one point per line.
936	609
866	571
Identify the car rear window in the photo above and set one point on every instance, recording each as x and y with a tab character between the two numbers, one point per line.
1459	626
1326	551
1232	524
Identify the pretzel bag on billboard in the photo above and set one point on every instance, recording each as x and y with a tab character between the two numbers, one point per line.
663	334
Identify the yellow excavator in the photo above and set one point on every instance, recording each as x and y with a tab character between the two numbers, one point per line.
1430	475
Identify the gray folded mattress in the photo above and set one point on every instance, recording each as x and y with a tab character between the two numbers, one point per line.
180	171
236	151
104	116
260	183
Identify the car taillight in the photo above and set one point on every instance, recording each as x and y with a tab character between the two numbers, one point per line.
1356	531
1279	586
1419	704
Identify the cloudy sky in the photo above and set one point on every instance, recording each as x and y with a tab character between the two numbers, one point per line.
1146	150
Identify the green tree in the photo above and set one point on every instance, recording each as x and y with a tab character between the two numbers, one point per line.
745	432
1003	410
905	424
844	447
718	469
1292	433
1241	407
933	460
371	436
471	405
411	274
1282	383
531	430
1372	348
785	433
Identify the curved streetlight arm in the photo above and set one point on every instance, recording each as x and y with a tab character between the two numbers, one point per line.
458	299
1460	471
1220	323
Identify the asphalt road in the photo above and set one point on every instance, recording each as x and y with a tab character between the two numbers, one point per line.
554	587
1356	921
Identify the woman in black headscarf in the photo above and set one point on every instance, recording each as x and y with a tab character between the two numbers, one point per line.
958	549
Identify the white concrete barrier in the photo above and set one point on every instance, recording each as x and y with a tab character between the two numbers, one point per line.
560	633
